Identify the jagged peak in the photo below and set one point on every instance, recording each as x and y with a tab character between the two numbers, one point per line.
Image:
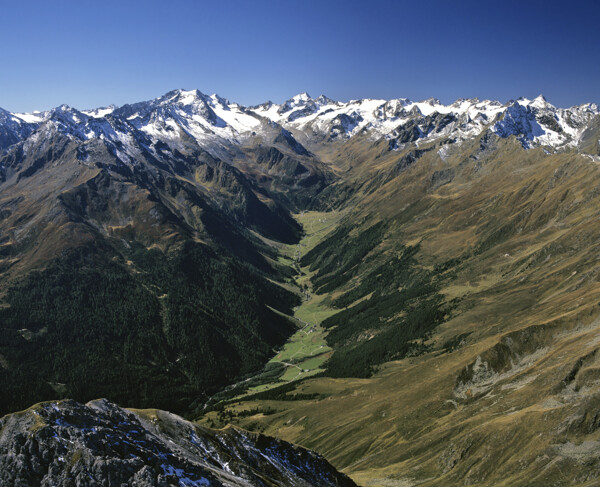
65	112
262	106
493	103
397	102
220	100
461	101
181	96
432	101
589	108
298	100
415	111
302	97
62	108
519	104
325	100
190	109
540	101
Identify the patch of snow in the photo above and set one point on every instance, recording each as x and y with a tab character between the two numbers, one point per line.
99	112
184	479
33	117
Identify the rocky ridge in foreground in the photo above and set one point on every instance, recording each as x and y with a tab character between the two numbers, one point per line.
66	443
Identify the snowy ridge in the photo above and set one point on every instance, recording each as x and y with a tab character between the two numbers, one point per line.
202	117
535	122
217	125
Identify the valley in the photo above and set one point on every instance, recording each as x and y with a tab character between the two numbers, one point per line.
306	350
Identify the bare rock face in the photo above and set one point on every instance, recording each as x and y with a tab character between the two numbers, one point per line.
70	444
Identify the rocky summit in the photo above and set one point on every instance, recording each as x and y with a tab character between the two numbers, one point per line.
66	443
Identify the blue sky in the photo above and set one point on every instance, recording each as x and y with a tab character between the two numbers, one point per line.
93	53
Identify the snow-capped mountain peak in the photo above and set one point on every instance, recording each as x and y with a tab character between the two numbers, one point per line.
539	101
67	114
302	97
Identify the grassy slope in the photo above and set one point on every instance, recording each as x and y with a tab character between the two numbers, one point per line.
523	231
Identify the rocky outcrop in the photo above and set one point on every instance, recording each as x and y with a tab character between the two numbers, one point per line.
70	444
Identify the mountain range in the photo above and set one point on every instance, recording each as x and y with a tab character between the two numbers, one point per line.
408	288
213	121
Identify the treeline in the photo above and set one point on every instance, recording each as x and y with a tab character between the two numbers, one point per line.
164	330
337	258
400	303
282	393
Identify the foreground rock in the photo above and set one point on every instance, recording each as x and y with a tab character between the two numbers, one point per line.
68	443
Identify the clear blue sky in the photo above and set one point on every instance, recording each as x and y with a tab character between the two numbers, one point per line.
93	53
